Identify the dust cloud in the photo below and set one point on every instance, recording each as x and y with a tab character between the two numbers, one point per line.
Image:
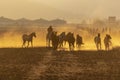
12	36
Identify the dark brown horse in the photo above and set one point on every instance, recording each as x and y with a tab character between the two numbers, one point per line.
62	39
97	41
107	41
79	41
71	40
55	40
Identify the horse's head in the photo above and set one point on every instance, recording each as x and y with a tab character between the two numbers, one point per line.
34	34
55	33
98	34
108	36
72	35
63	33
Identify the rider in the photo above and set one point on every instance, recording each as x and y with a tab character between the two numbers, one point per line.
50	29
48	37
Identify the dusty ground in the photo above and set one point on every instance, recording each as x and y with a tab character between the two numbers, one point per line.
45	64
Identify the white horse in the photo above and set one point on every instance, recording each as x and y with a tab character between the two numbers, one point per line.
107	42
28	38
97	41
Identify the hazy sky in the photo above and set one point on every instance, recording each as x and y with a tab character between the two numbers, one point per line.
72	10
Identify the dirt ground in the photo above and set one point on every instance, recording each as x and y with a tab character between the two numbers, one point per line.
46	64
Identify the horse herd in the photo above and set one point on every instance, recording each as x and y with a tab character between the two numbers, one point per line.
107	42
59	41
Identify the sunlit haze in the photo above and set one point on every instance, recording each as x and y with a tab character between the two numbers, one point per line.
70	10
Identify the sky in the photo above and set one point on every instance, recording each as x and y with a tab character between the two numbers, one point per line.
70	10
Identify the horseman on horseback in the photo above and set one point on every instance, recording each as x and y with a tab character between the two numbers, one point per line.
50	29
48	37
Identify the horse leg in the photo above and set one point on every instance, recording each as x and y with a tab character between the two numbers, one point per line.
73	45
108	47
100	47
23	43
59	45
76	45
49	43
62	43
97	46
79	45
28	44
31	43
55	48
105	47
70	46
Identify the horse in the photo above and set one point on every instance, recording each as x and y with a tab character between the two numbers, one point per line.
28	38
55	40
61	39
107	42
79	41
71	40
48	39
97	41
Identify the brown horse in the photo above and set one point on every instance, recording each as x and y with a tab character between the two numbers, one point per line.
97	41
107	42
62	39
28	38
71	40
55	40
79	41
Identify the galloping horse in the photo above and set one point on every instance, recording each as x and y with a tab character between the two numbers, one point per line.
79	41
28	38
71	40
107	42
61	39
55	40
97	41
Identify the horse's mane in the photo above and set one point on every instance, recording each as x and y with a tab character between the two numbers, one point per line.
32	33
